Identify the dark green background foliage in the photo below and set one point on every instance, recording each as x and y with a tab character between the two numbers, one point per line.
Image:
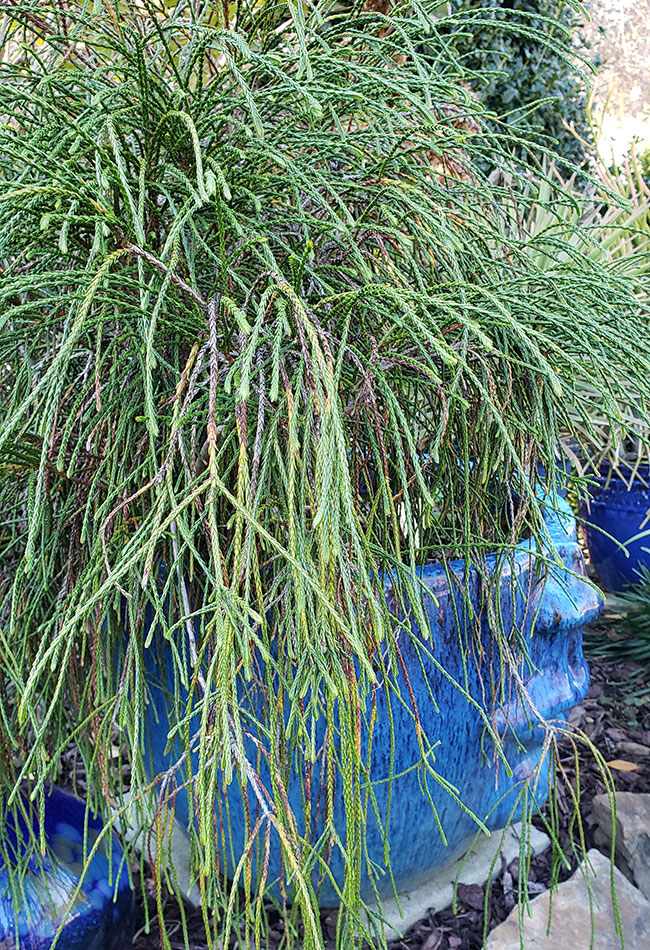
528	84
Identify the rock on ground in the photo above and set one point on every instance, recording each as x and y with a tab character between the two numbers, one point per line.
571	925
632	840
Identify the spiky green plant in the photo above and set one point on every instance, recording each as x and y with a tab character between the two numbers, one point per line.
631	628
263	321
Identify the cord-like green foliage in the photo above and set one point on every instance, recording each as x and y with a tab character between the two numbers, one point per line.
266	335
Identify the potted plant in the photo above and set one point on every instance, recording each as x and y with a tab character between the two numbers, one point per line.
277	372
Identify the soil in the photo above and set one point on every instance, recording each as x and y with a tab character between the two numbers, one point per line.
615	716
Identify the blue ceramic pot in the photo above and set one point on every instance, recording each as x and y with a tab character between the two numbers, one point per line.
100	917
556	677
621	512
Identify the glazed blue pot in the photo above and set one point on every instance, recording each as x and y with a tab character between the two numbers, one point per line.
100	917
622	513
402	820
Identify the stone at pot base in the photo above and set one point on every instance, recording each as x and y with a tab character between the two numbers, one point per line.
473	868
632	838
571	917
93	919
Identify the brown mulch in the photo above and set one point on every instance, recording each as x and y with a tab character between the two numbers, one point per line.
615	716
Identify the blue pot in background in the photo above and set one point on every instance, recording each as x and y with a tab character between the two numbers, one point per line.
402	819
622	512
94	920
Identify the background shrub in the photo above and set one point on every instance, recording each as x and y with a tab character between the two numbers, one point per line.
527	83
